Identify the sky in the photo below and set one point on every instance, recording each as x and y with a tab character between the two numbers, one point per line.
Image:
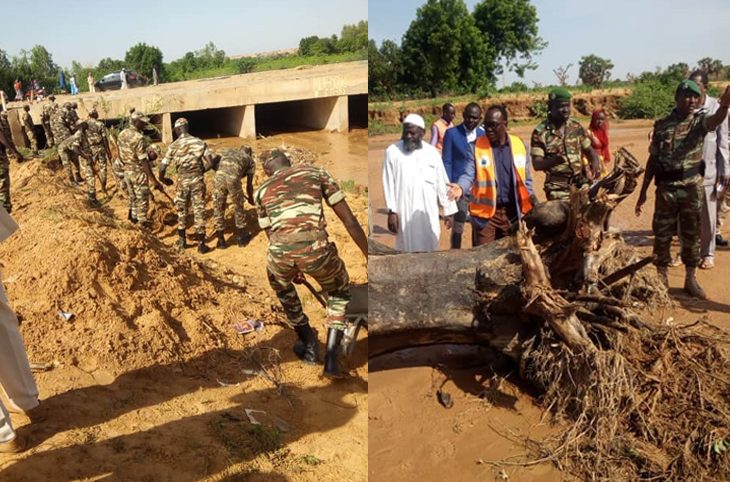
87	31
636	35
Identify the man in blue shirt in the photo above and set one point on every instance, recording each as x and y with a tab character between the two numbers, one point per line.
457	154
500	180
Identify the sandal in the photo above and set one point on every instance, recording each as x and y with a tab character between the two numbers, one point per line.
676	261
707	263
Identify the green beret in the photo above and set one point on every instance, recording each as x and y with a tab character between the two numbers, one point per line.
688	86
559	93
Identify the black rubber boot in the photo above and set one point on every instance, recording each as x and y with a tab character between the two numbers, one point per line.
332	367
131	218
242	237
92	201
181	243
202	247
456	240
79	179
221	240
306	347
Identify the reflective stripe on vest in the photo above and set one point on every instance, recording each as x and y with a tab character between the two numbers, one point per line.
441	127
484	190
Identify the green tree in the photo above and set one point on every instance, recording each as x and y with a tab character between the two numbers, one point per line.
307	45
108	65
712	66
510	27
6	72
648	100
353	37
142	58
384	68
444	51
594	70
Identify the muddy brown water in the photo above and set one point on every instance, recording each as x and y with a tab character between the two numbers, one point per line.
412	437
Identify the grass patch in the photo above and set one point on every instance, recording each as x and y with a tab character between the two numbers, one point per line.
310	460
348	186
266	439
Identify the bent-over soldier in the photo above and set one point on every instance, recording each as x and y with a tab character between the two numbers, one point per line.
191	157
234	165
289	209
70	150
27	122
99	144
675	164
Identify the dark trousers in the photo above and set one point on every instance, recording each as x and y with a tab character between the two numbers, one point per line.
496	228
459	219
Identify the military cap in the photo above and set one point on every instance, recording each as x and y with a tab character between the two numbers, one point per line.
139	116
688	86
182	121
560	94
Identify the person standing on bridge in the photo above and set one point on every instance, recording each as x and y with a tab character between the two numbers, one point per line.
191	157
675	166
123	77
289	209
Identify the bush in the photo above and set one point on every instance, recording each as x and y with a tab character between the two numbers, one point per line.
648	100
245	65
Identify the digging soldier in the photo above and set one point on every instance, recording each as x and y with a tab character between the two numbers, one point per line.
46	115
234	165
137	171
73	114
191	158
6	146
289	209
27	122
557	147
71	149
98	138
675	164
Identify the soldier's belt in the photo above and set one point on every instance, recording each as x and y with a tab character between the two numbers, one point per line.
301	237
678	175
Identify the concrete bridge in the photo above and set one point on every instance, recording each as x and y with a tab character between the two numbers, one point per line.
330	97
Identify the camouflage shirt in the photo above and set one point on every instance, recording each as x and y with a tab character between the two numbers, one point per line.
26	120
76	141
5	126
96	133
676	146
547	141
290	201
48	110
235	165
132	149
72	117
186	154
59	125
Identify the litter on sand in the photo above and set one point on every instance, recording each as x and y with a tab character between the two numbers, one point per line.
66	315
281	424
248	326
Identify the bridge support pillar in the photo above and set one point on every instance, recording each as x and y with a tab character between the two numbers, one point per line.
338	118
167	127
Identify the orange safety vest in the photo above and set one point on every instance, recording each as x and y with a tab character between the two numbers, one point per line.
442	126
484	190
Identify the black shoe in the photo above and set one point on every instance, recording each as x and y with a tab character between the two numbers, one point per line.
181	239
202	247
306	347
720	241
242	237
79	178
221	240
332	368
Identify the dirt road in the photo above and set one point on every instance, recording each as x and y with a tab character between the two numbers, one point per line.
152	382
443	444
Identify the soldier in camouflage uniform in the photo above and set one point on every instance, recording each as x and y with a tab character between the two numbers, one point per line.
675	158
234	165
73	114
137	171
99	143
27	122
5	127
46	116
557	147
289	209
70	149
59	124
191	157
6	146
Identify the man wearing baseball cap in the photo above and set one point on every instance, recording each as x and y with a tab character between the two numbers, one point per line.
415	184
675	158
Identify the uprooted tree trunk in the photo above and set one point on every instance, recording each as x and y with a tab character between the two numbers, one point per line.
644	401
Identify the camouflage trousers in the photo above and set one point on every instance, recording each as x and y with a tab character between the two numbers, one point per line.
5	181
49	134
190	190
139	193
98	154
678	207
118	172
221	189
31	138
70	161
319	260
561	190
87	167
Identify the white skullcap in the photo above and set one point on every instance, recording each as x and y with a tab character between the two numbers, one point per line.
415	119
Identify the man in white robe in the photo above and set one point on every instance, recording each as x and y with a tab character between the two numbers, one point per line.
415	184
